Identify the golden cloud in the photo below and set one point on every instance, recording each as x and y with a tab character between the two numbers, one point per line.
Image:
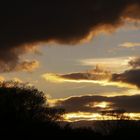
95	76
27	66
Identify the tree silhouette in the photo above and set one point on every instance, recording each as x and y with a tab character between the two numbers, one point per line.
20	102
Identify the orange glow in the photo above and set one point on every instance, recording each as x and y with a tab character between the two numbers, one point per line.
2	78
15	79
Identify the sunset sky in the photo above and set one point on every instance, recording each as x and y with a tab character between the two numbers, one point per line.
82	55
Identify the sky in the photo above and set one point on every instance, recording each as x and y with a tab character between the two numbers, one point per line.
85	56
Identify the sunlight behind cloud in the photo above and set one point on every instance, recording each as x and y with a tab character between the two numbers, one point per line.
102	105
79	116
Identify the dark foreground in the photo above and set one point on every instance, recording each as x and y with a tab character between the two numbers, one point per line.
25	114
104	129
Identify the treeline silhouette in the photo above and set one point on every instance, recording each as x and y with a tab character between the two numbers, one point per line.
24	112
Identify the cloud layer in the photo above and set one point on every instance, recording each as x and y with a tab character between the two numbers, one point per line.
94	104
29	23
129	78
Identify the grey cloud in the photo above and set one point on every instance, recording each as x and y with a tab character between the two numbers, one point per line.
74	104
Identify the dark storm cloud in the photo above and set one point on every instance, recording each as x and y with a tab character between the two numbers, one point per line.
130	76
85	103
23	23
10	59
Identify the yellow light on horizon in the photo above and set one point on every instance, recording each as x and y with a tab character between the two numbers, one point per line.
78	116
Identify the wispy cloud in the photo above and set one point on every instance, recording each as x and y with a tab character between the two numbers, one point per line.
26	66
130	44
114	64
135	62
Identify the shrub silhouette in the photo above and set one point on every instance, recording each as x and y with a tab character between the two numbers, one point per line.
22	102
24	108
